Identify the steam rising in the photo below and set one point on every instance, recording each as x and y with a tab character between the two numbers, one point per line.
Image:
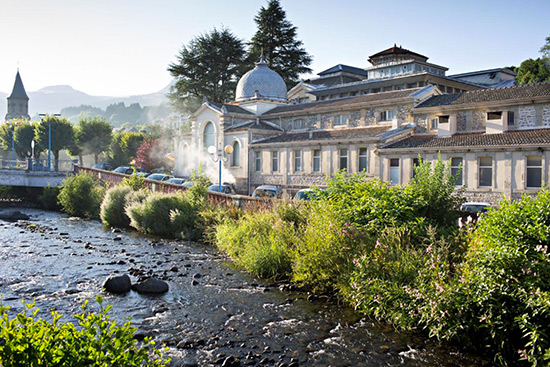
188	159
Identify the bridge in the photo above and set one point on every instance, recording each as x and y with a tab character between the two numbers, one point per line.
34	172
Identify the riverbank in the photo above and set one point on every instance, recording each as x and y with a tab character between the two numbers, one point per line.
212	312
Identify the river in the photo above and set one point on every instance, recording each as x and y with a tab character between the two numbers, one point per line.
213	314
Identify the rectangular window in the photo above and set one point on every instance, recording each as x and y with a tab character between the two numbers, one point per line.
258	161
494	115
394	171
340	120
298	124
415	163
317	160
456	170
343	154
511	120
275	161
485	171
387	115
534	171
443	119
434	123
362	159
297	160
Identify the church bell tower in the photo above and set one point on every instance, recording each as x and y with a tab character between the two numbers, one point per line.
18	101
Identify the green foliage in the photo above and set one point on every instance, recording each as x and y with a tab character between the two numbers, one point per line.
134	181
327	246
154	214
24	134
533	71
81	195
209	66
112	211
26	340
93	136
48	199
260	242
545	49
124	147
198	193
506	280
276	37
62	134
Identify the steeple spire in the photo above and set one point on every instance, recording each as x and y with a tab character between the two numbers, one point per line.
18	101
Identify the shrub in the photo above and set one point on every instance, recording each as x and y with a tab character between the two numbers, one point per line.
98	341
81	195
112	211
154	214
325	251
48	199
135	182
505	279
258	242
211	216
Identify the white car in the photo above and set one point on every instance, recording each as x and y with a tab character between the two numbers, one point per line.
471	212
268	191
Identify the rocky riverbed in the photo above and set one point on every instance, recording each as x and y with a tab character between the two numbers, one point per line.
212	313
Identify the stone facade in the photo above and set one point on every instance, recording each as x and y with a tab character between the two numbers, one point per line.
479	120
546	116
527	116
461	122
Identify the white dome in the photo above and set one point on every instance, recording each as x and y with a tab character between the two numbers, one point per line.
261	82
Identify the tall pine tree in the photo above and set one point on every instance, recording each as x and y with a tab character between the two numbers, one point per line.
210	66
276	36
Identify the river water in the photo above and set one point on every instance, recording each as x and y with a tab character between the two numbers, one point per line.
213	314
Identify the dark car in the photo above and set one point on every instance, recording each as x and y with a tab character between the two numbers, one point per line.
127	170
226	189
103	166
159	177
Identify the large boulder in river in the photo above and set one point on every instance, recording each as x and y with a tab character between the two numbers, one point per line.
13	216
151	286
119	284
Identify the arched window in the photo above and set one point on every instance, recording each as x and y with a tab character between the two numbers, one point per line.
236	154
208	136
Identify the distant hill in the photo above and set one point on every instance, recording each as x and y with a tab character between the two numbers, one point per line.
54	98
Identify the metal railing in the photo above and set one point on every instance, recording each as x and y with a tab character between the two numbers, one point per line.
60	165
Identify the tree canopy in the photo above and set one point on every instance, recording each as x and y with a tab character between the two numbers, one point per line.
209	66
62	134
124	146
93	136
276	36
535	70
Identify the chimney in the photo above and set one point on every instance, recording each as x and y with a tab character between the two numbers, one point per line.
496	122
446	125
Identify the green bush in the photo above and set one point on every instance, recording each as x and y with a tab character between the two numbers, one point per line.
324	253
48	199
112	211
505	282
81	195
154	214
259	242
135	182
211	216
96	341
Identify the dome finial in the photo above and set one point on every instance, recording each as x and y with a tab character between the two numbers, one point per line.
262	61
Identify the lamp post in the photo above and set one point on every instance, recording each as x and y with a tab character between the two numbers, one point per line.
42	115
32	155
12	144
217	156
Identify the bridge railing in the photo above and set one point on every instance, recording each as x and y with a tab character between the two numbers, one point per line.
59	165
215	197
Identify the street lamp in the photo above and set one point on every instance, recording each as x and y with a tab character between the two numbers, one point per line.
32	154
42	115
217	156
12	144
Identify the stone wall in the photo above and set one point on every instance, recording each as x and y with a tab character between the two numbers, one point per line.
421	124
306	180
546	116
527	116
479	120
461	122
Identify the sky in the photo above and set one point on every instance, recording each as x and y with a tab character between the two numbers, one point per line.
123	47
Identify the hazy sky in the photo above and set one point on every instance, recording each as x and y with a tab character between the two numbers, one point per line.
123	47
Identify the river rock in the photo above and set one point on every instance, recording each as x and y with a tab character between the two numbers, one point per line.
13	216
118	284
151	285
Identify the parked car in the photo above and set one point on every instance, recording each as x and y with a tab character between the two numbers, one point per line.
188	184
127	170
176	180
305	194
267	191
225	188
471	212
159	177
103	166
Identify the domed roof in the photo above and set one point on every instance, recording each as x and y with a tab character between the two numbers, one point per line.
261	82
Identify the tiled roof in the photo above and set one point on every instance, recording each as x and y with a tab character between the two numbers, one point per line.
230	108
18	88
341	102
511	138
489	95
395	50
316	135
253	125
347	68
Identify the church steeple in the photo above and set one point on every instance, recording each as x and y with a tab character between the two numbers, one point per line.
18	101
